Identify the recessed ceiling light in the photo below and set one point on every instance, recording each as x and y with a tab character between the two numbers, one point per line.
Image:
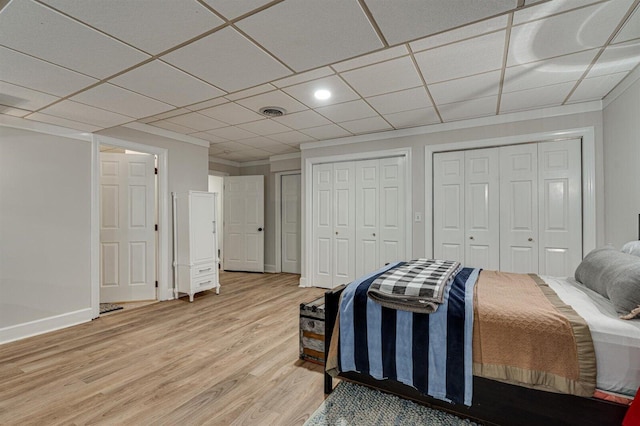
322	94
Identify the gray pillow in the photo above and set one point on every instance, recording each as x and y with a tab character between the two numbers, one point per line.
613	274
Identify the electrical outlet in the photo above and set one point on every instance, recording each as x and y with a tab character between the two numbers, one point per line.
418	217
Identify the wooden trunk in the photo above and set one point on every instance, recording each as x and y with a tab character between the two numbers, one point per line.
312	331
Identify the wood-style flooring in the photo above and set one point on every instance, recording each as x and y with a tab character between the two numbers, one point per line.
227	359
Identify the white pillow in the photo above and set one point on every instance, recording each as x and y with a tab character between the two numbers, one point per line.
632	247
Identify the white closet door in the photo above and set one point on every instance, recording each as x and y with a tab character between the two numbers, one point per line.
344	222
560	189
322	218
392	208
290	223
203	219
519	208
448	206
367	209
482	209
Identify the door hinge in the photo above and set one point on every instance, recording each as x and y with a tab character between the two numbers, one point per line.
156	284
156	170
156	226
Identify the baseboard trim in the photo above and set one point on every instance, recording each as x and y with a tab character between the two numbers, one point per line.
270	269
303	282
44	325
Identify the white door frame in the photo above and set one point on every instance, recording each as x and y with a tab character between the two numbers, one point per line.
587	134
306	261
163	215
278	266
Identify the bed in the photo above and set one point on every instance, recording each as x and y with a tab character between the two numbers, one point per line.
609	353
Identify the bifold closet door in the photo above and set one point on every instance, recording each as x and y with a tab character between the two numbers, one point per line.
367	216
322	217
448	206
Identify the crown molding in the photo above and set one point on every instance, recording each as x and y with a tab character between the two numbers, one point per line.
282	157
49	129
255	163
213	159
166	133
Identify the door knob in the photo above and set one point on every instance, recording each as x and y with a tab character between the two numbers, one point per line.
374	234
259	229
471	237
530	239
336	232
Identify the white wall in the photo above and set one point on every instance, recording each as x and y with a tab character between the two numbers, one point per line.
45	222
622	166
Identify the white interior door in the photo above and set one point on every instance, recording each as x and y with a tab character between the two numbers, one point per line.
344	222
448	206
519	208
322	218
244	223
290	223
392	210
367	208
127	227
482	209
560	186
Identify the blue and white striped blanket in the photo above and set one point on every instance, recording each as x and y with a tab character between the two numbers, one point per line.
431	352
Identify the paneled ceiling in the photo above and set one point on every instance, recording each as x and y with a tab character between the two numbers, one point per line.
204	68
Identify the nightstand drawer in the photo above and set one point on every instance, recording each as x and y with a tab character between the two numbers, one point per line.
204	283
201	270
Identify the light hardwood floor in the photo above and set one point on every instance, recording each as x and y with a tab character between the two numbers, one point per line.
224	359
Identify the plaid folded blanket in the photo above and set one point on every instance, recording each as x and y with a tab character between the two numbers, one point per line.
416	286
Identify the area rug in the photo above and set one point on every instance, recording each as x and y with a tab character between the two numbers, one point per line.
108	307
351	404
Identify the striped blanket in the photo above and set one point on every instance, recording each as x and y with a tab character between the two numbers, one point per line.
416	286
408	347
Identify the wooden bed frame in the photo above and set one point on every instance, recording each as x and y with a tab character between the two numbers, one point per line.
493	402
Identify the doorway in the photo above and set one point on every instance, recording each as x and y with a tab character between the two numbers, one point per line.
288	221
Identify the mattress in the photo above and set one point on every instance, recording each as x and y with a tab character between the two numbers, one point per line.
616	342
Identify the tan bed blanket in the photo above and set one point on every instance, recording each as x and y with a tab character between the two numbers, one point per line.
524	334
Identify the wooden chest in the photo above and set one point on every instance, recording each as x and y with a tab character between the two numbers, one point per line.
312	331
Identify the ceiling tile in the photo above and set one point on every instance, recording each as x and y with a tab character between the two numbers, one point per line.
208	137
328	131
469	109
548	8
347	111
59	39
231	9
167	84
292	137
616	58
406	21
86	114
462	59
413	118
238	62
14	112
264	127
631	29
168	125
384	77
372	58
404	100
23	98
250	92
246	155
257	142
197	121
27	71
232	133
276	98
547	72
233	146
340	92
462	33
306	34
231	113
207	104
280	148
142	23
214	150
596	88
366	125
63	122
162	116
535	98
569	32
463	89
116	99
302	120
304	77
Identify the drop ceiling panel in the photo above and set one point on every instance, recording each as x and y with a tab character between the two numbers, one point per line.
291	137
616	58
264	127
596	88
631	29
63	41
57	121
197	121
366	125
167	84
535	98
27	71
413	118
406	21
86	114
390	76
263	88
467	88
14	112
232	133
547	9
459	34
279	149
372	58
569	32
258	142
347	111
116	99
231	113
304	77
274	98
547	72
23	98
238	62
329	131
404	100
324	30
340	92
462	59
231	9
163	27
302	120
208	137
162	116
168	125
469	109
207	104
